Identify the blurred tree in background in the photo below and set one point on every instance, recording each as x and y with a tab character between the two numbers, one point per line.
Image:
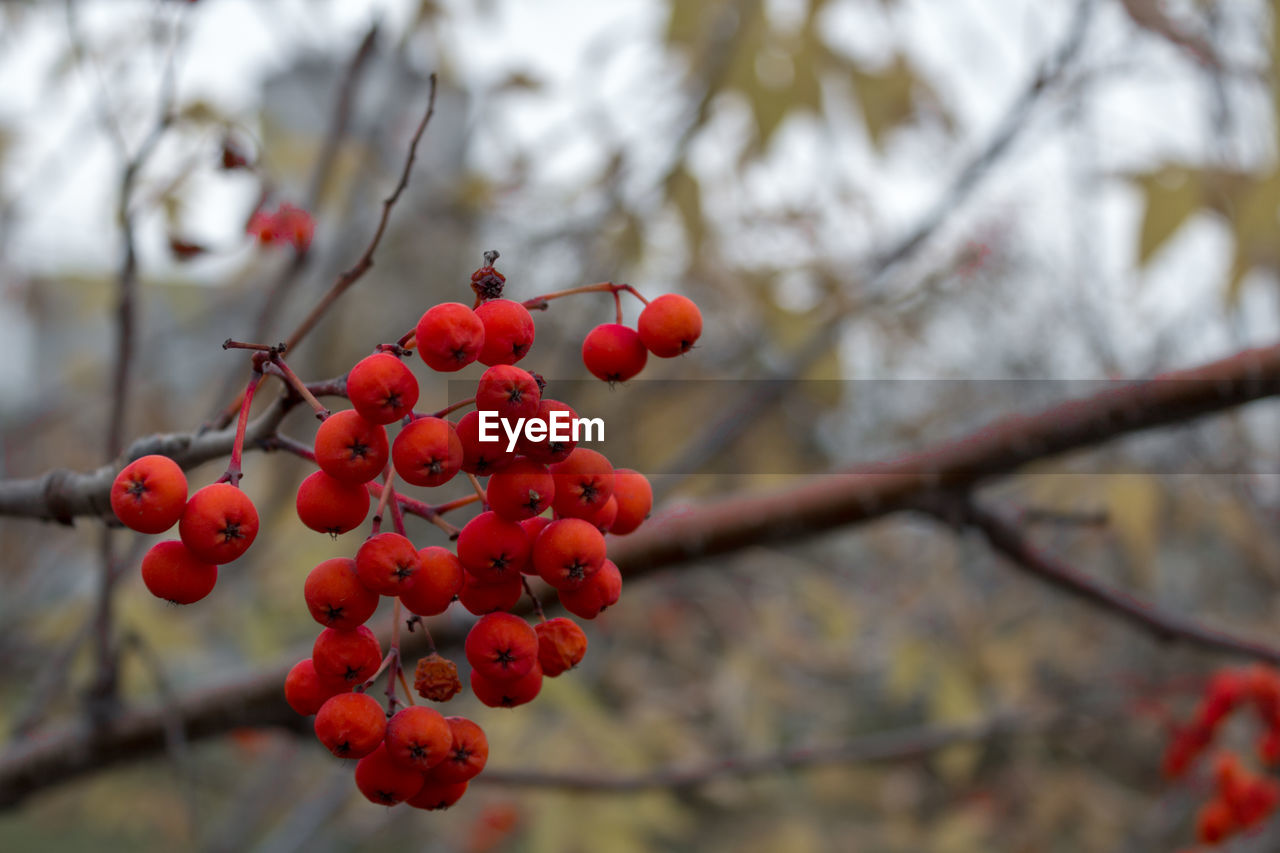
903	220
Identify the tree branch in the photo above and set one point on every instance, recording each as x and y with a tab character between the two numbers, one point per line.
815	505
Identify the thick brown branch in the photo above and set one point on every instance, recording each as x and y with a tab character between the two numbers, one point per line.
1008	539
813	506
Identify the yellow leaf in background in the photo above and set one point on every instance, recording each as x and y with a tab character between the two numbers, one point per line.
1134	505
963	830
954	699
1171	194
908	669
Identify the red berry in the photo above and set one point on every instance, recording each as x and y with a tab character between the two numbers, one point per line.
511	392
508	331
567	552
418	738
601	590
450	336
520	489
614	352
352	656
173	573
439	581
149	494
351	725
507	693
468	753
604	517
331	506
635	500
480	457
502	646
387	563
437	795
385	782
481	598
219	523
382	388
306	690
559	441
351	448
561	645
532	527
583	483
492	548
427	452
336	597
670	325
1215	822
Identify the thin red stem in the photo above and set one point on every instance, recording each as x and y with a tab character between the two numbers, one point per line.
539	303
278	367
234	472
453	408
480	492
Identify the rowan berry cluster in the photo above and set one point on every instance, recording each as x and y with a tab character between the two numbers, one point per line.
544	511
1242	800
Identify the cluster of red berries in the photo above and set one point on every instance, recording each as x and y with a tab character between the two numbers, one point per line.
216	525
287	224
545	509
1242	800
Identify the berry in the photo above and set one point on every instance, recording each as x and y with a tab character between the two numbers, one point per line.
436	678
635	500
567	552
467	755
614	352
149	494
521	489
350	448
438	582
508	331
601	590
385	782
351	725
387	563
219	523
492	548
352	656
670	325
481	598
507	693
173	573
331	506
1215	822
382	388
418	738
604	517
450	336
511	392
480	457
427	452
437	795
546	450
306	690
561	645
502	646
336	597
583	483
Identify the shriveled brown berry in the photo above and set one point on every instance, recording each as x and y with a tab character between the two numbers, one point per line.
436	678
561	645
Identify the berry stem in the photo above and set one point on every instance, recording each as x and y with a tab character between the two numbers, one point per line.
537	605
441	509
268	348
452	408
408	341
233	473
617	307
387	494
539	303
278	367
480	492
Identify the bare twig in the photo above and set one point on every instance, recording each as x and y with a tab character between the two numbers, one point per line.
362	265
